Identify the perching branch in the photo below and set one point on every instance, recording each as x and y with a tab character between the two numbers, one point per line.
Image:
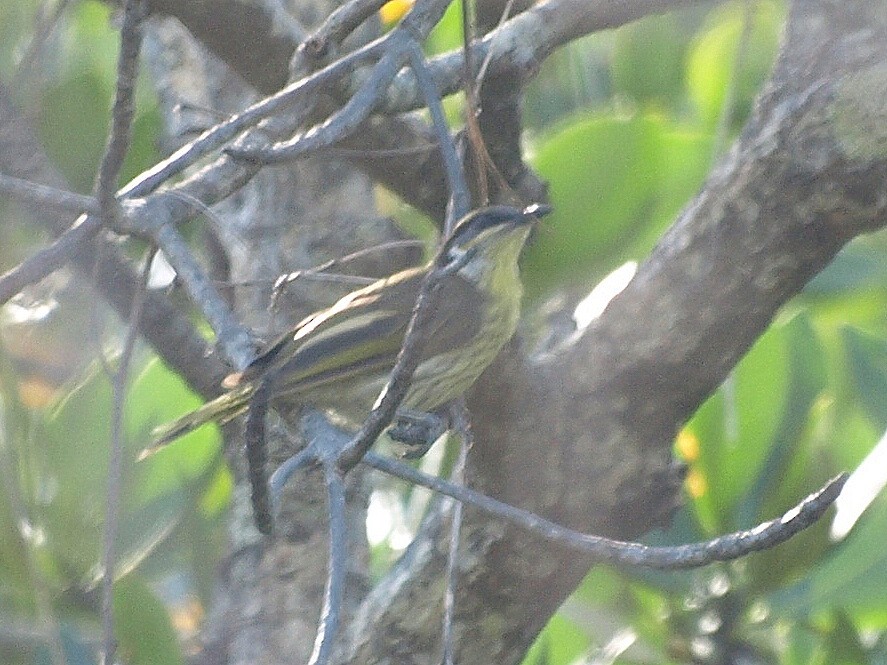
583	435
692	555
325	447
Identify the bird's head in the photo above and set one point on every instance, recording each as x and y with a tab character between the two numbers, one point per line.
492	236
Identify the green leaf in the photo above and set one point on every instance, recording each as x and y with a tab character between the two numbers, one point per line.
853	576
73	124
447	34
599	170
142	153
16	31
75	109
159	395
681	163
143	627
867	361
844	643
805	382
648	60
91	43
736	426
15	576
560	643
156	395
616	183
74	461
719	61
858	266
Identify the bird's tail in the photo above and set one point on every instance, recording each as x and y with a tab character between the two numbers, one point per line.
222	409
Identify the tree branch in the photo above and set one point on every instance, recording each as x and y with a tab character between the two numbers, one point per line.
584	435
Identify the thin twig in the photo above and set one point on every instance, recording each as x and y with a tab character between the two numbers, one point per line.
693	555
105	186
459	197
326	443
123	111
169	331
223	132
337	568
339	125
338	25
462	426
524	41
319	271
414	28
48	260
46	24
285	471
48	197
475	137
482	72
232	337
381	153
115	464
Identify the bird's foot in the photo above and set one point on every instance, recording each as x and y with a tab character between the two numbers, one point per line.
418	431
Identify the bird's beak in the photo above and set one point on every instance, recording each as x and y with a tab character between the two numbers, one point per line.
536	210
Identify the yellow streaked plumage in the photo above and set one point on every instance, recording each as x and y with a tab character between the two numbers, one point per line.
339	358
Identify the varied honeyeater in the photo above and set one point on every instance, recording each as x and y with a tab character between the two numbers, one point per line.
338	358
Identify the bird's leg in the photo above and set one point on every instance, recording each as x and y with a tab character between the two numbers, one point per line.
418	430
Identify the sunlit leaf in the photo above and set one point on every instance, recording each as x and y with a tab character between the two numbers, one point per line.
735	427
561	643
867	358
599	170
648	59
732	58
616	184
447	34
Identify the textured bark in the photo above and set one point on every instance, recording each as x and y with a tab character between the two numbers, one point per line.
584	434
269	591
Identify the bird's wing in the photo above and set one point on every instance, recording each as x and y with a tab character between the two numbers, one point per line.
363	332
453	325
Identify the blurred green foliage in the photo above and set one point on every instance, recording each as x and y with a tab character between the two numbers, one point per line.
624	126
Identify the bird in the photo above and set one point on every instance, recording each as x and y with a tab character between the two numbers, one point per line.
338	358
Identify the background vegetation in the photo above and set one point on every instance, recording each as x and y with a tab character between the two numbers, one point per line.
624	126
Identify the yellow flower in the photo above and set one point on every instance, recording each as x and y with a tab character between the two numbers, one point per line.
687	445
393	11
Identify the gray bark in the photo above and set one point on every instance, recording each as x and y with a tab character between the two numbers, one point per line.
582	435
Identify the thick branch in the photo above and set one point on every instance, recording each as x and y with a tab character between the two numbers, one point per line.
584	435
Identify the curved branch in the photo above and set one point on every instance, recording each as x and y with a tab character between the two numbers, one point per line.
588	429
